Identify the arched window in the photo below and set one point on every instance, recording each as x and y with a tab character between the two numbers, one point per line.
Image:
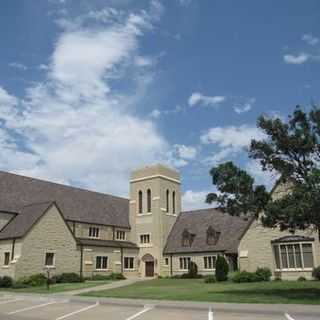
148	200
173	202
140	201
167	201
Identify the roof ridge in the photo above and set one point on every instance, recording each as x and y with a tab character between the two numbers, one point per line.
203	209
38	203
64	185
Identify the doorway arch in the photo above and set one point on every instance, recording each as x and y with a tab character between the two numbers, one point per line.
149	262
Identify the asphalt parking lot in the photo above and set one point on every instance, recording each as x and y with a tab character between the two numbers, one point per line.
44	308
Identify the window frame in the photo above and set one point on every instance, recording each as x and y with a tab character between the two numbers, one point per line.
102	258
167	200
140	202
166	261
149	200
130	266
53	259
94	232
173	202
6	262
207	263
119	232
186	263
286	244
147	235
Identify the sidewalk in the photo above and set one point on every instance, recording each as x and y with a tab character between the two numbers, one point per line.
112	285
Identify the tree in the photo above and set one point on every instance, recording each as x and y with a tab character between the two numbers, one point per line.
222	269
291	149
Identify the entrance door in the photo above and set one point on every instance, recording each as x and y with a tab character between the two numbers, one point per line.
149	268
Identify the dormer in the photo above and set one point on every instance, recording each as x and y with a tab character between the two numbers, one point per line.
212	236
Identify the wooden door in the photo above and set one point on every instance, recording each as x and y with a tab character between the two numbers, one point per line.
149	268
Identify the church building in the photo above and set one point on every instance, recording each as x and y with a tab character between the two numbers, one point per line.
66	229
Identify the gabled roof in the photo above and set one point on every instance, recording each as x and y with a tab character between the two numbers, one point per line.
20	224
76	204
197	222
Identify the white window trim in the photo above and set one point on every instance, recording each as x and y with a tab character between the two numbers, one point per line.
147	244
184	257
302	259
53	265
94	237
102	269
209	269
125	235
129	269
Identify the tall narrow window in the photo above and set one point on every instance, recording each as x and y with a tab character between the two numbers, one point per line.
148	200
173	202
49	260
6	258
140	202
167	201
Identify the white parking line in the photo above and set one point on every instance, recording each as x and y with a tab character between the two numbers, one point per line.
145	309
11	300
210	314
288	316
78	311
33	307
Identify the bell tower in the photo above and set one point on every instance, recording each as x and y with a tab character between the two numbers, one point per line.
155	203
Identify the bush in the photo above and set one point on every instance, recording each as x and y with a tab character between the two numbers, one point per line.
70	277
112	276
35	280
193	270
210	279
263	274
245	276
222	269
6	282
18	285
302	279
316	273
117	276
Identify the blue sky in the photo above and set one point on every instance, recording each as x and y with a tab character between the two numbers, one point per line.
90	90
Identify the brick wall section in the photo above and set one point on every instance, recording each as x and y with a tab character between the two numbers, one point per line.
49	234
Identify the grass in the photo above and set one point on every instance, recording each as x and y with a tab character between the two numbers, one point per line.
59	287
286	292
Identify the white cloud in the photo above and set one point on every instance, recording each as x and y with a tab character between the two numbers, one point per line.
155	114
143	61
266	178
198	98
74	127
310	39
192	200
245	107
230	140
186	152
18	65
296	59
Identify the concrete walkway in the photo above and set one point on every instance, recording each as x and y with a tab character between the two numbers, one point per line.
112	285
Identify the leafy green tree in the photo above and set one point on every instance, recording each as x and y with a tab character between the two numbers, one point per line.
291	149
222	269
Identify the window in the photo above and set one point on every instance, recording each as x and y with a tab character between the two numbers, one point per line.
121	235
166	261
185	263
101	263
148	200
144	238
187	238
93	232
210	262
49	261
140	200
173	202
212	236
167	201
293	256
128	262
6	258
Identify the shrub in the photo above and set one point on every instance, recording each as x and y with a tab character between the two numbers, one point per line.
263	274
176	276
35	280
302	279
222	269
18	285
183	276
112	276
210	279
316	273
6	282
244	276
193	270
117	276
70	277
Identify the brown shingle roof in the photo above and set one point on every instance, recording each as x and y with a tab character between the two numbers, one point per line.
197	223
20	224
76	204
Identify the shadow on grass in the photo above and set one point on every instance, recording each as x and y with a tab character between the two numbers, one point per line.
312	294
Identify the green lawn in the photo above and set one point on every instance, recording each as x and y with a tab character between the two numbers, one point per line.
302	292
60	287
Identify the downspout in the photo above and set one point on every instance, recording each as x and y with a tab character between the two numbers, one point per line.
13	247
171	273
81	261
74	228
